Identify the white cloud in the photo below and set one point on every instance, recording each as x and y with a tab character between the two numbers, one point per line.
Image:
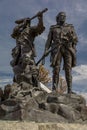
5	80
80	73
81	7
85	96
79	81
82	39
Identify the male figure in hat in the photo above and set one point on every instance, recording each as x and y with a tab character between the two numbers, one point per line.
62	39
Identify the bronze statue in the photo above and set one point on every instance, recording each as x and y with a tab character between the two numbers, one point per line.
25	34
62	40
24	52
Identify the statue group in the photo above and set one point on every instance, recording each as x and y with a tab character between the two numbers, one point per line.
61	42
27	98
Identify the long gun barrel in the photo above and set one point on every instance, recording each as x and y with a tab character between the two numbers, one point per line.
41	12
21	20
49	51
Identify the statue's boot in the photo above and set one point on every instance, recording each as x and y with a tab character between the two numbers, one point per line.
68	80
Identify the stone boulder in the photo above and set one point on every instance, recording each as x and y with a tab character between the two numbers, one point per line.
26	102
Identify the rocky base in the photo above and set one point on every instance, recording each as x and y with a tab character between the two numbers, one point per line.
34	104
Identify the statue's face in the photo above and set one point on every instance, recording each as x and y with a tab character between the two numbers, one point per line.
61	17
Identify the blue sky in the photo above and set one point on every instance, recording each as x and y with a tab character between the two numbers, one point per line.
11	10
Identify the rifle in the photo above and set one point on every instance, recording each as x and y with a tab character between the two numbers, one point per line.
44	55
29	19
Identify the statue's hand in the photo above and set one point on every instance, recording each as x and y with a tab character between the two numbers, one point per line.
46	52
40	15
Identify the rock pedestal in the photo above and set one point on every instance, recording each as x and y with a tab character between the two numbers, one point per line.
30	103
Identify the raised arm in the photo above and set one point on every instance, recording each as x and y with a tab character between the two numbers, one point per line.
37	30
